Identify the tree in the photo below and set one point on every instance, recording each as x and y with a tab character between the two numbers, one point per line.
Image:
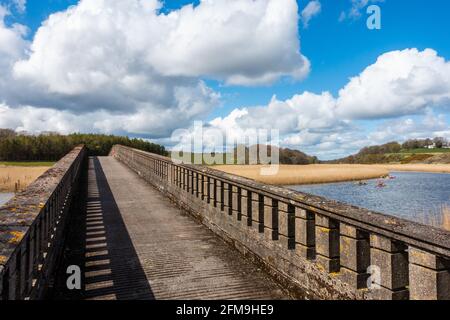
440	142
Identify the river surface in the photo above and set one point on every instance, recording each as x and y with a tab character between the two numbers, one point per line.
4	197
422	197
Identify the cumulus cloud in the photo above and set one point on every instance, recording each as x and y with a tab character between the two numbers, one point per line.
312	9
140	69
404	128
398	83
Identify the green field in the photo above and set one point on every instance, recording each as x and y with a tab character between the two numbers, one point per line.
27	163
425	150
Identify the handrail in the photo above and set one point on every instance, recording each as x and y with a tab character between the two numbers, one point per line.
32	226
410	232
338	237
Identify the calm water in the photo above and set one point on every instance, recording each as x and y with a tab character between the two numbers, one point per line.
4	197
414	196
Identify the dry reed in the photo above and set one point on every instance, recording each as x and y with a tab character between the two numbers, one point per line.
308	174
13	179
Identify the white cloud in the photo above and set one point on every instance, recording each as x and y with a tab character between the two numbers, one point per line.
142	70
312	9
398	83
427	126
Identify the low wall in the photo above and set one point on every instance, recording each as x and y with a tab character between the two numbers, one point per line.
32	229
318	248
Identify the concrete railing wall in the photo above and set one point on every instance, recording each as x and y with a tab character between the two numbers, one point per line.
319	248
32	227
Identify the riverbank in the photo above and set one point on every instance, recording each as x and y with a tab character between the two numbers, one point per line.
431	168
16	178
326	173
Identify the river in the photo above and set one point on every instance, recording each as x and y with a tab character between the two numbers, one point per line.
421	197
4	197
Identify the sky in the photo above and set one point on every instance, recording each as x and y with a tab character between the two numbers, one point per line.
311	69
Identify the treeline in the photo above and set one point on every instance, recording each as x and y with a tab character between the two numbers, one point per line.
438	142
52	147
286	156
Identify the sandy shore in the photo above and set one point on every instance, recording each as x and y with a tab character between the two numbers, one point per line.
434	168
326	173
22	176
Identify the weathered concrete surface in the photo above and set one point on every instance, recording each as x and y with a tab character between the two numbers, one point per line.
131	242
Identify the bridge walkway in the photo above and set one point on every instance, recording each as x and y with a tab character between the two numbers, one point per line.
132	243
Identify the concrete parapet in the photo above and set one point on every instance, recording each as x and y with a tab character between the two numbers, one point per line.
32	226
322	249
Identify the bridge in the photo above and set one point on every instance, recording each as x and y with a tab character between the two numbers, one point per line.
139	226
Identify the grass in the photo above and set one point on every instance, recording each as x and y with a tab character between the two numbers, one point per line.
14	179
307	174
27	163
424	150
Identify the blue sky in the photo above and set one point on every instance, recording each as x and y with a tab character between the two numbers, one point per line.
337	50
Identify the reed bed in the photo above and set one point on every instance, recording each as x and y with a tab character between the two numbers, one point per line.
14	179
307	174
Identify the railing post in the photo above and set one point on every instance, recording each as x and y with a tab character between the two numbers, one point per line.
429	276
327	243
354	255
190	184
270	218
286	225
212	192
195	184
246	208
206	195
219	200
226	198
186	179
201	193
258	212
236	202
305	239
389	261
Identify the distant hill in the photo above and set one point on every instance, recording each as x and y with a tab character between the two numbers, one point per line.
287	156
412	151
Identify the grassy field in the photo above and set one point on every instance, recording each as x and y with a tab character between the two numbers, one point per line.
26	164
425	150
16	178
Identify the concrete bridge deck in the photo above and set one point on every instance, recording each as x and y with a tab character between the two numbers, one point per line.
131	242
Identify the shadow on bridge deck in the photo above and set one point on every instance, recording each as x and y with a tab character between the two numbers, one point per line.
132	243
